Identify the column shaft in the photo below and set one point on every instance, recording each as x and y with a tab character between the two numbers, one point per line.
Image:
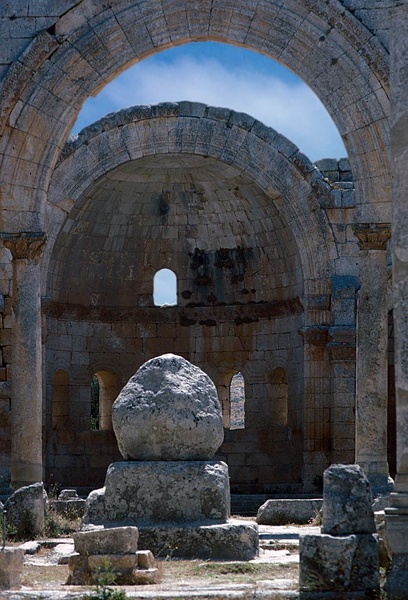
26	399
372	356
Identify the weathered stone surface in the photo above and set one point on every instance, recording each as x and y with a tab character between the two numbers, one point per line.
234	540
68	502
169	410
344	563
279	512
116	540
11	566
156	492
26	509
347	501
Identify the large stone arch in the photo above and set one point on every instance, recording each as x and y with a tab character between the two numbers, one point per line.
323	42
270	160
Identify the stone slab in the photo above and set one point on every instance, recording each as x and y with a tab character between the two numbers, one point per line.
159	492
116	540
237	540
342	563
283	511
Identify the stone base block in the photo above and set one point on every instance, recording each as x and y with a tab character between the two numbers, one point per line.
11	566
236	540
281	512
86	570
116	540
148	493
339	564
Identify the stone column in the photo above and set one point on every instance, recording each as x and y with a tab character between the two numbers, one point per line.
372	356
397	515
26	396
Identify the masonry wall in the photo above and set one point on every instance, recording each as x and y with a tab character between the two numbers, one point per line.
261	457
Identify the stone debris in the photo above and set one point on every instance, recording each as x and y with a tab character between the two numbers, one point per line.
344	557
11	566
26	509
112	551
68	503
347	501
279	512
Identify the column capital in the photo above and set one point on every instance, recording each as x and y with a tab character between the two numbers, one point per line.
25	245
372	236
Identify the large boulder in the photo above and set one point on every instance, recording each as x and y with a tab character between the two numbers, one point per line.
168	410
26	510
347	501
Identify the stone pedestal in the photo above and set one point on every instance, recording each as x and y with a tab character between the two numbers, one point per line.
167	421
372	356
26	409
111	551
180	507
344	558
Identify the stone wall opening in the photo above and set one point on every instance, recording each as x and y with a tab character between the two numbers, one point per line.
165	288
105	386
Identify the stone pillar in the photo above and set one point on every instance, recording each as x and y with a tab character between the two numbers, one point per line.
372	356
26	398
316	409
397	515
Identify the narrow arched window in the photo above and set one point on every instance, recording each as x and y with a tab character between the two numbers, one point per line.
60	400
237	401
105	387
165	288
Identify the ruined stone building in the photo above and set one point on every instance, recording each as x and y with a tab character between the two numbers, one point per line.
282	267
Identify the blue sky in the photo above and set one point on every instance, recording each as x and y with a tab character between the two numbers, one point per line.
223	75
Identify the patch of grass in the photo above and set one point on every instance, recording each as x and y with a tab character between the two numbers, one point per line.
60	525
228	568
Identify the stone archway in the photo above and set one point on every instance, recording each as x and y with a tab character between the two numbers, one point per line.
233	208
340	53
322	42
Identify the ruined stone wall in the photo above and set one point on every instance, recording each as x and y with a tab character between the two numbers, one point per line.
55	54
264	456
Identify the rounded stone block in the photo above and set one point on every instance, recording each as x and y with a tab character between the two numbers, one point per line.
169	410
157	492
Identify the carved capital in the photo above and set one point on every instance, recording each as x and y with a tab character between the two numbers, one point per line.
25	245
372	236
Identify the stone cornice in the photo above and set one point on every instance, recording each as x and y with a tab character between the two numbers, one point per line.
25	245
372	236
240	314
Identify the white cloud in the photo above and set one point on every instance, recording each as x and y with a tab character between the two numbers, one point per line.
285	104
